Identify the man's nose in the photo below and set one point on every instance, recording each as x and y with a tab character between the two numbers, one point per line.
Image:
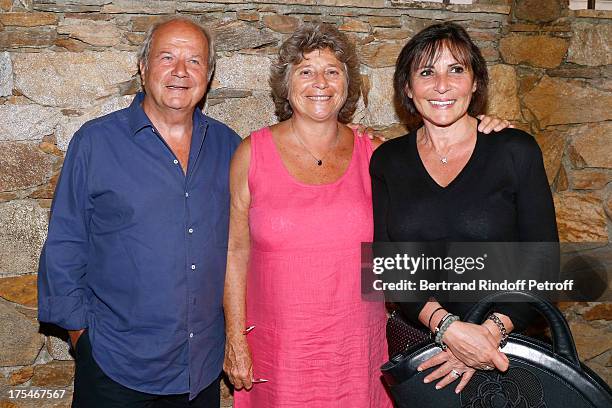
179	68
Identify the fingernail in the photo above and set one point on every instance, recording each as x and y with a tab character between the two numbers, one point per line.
419	369
426	381
457	391
438	387
248	330
259	380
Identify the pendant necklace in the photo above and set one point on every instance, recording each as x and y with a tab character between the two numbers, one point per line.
319	161
442	157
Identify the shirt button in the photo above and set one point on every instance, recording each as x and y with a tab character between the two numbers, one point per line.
190	230
192	266
175	161
190	335
186	194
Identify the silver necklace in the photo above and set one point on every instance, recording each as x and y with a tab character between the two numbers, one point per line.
319	161
442	157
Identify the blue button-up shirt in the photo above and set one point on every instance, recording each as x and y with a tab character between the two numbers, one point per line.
136	250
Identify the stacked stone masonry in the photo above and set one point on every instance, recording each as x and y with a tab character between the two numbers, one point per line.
63	62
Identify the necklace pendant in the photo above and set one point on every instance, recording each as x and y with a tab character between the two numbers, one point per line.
444	160
319	162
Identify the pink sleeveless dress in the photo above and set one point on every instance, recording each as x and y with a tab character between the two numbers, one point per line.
316	341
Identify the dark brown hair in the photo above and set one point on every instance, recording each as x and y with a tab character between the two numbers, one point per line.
310	37
425	47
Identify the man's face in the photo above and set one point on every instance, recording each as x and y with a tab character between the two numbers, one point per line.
176	76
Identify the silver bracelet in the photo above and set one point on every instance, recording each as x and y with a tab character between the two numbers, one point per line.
501	327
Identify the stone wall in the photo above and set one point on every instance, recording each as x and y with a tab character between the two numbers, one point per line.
63	62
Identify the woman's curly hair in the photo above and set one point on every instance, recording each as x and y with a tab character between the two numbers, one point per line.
310	37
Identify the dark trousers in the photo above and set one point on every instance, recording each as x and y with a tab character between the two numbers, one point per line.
94	389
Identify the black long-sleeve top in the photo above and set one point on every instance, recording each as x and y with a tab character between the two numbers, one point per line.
501	195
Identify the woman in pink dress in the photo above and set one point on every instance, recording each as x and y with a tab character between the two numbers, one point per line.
300	208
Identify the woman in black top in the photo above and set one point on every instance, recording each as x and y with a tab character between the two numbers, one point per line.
448	182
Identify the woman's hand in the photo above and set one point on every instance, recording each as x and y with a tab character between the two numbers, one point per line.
489	123
238	364
450	368
363	130
475	346
494	330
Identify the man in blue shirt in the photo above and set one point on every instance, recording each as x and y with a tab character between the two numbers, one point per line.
134	262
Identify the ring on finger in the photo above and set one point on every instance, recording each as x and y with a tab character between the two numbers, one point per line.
455	374
487	368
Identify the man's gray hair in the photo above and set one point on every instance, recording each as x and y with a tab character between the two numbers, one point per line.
145	47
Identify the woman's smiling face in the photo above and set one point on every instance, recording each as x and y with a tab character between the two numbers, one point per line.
318	86
442	89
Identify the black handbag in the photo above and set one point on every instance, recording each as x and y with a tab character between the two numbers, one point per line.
540	375
401	335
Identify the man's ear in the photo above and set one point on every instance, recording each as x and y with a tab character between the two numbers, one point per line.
142	69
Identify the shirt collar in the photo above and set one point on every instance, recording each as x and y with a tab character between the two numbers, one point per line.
138	119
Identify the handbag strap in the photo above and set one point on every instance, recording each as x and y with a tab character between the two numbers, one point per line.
562	340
